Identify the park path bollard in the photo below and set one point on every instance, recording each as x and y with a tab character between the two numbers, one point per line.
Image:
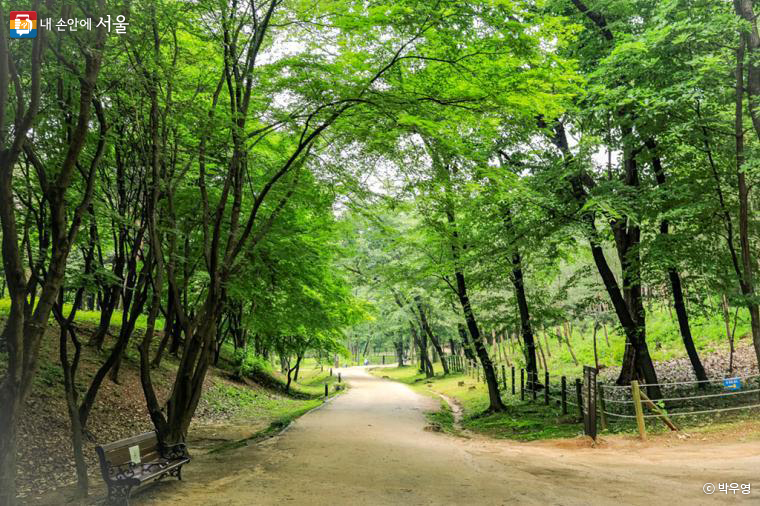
546	387
564	395
383	359
331	371
579	396
522	384
338	377
504	377
513	380
639	411
326	392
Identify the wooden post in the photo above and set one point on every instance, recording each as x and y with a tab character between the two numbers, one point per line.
564	395
339	378
504	377
331	371
658	411
513	380
534	374
477	374
602	407
546	388
326	392
522	384
383	359
636	393
579	396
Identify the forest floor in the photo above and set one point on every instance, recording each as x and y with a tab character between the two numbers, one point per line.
374	445
230	411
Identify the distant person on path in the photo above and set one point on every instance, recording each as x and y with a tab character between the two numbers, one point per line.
366	361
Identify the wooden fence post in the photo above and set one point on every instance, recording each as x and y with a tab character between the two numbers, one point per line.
522	384
331	371
326	393
636	394
513	380
546	387
339	378
579	396
564	395
504	377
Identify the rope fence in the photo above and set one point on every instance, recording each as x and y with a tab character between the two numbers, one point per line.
630	402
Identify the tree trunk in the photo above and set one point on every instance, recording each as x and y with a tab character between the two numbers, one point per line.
494	398
675	281
433	339
525	325
466	345
400	351
568	334
426	366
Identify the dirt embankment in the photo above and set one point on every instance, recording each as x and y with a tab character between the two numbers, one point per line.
45	455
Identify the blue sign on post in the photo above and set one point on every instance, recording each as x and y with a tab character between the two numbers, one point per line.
732	383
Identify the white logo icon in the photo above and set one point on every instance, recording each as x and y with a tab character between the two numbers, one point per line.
22	24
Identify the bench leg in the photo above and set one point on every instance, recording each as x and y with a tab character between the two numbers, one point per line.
118	495
176	472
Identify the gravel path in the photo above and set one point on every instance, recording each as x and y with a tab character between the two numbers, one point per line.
370	446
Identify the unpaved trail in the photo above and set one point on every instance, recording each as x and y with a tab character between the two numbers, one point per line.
369	446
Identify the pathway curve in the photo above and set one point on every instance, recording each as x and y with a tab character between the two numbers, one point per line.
369	447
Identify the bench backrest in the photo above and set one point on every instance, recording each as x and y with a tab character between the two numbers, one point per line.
117	454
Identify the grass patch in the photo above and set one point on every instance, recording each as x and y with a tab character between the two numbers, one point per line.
443	419
523	421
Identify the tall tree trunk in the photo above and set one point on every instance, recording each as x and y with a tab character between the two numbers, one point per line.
494	398
675	281
629	307
525	325
433	339
750	41
466	345
399	351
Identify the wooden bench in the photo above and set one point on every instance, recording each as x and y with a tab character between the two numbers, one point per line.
132	462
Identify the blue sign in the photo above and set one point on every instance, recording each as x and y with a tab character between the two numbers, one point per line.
732	383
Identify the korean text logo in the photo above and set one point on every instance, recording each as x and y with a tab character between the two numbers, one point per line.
23	24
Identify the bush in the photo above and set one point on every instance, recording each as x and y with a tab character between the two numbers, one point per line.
247	364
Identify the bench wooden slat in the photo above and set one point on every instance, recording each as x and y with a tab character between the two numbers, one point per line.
130	441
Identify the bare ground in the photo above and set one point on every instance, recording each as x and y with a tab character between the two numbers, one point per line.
370	446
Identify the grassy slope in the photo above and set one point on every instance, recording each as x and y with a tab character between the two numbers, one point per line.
663	337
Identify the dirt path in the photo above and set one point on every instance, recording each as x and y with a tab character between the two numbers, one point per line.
369	446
